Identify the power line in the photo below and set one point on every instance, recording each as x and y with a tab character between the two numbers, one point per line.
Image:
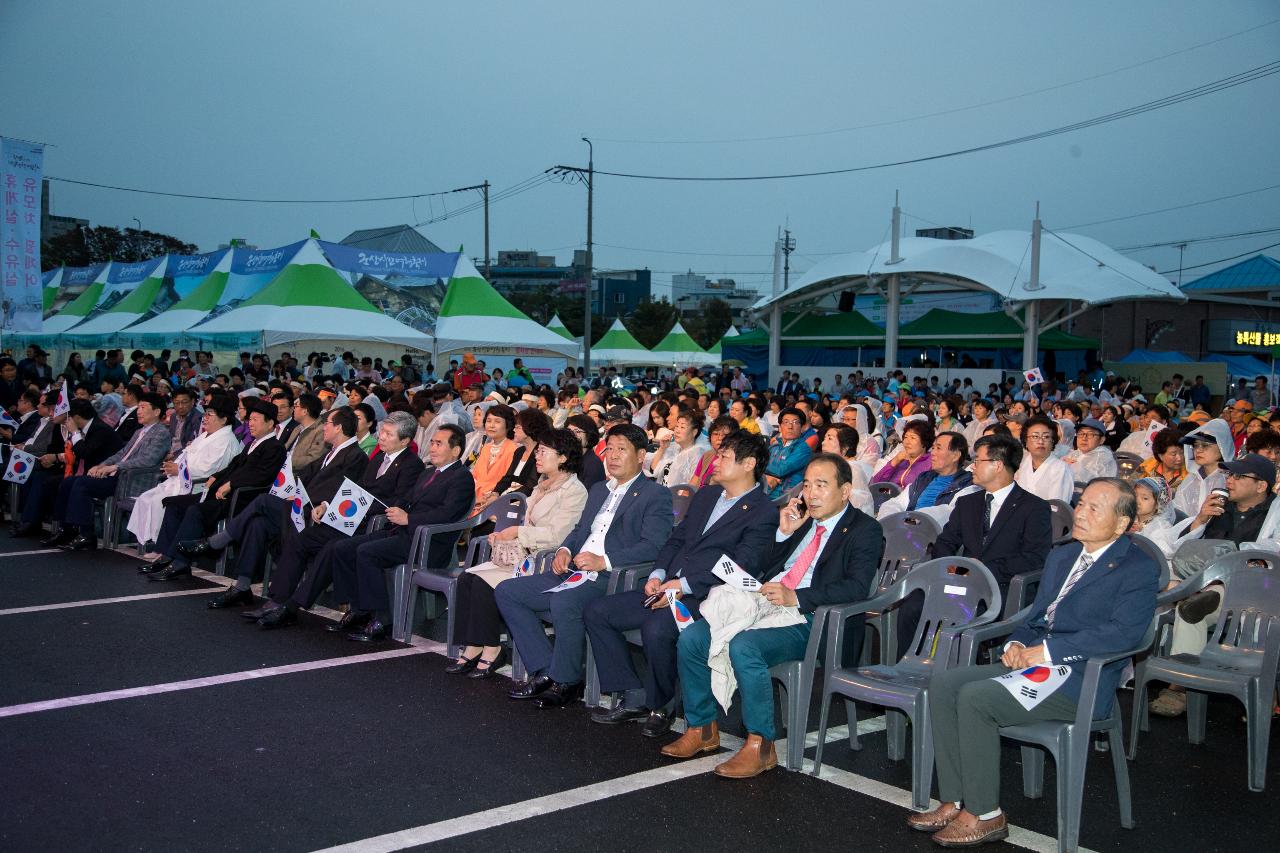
1220	260
946	112
249	200
1170	209
1175	243
1212	87
510	192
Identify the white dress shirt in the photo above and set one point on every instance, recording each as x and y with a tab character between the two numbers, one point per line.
604	519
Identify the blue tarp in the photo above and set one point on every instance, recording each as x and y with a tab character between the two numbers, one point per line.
1241	365
1146	356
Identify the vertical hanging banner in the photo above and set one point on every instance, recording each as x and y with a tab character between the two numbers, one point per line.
21	170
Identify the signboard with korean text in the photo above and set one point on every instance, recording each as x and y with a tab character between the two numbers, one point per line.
21	170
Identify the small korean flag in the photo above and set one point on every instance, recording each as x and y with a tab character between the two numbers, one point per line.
285	485
20	467
348	507
733	575
575	579
1034	376
63	406
678	611
1033	685
7	421
184	475
524	567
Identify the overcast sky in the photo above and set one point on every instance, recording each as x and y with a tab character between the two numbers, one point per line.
332	100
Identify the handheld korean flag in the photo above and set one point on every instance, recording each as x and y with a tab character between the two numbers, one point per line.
285	485
575	579
7	421
63	406
678	611
524	567
297	505
1033	685
1034	376
733	575
184	475
20	467
348	507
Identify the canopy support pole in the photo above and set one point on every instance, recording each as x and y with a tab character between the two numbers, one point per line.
775	344
1031	332
893	311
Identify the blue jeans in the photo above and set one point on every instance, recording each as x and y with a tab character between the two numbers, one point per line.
752	653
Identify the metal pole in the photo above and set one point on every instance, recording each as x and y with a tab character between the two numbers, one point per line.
895	293
586	320
1031	320
775	344
485	185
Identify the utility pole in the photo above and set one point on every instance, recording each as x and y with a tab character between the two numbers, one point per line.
586	317
788	246
485	185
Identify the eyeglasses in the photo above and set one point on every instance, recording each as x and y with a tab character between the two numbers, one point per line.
1233	476
976	461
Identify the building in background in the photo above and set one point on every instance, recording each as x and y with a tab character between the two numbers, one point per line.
52	226
690	291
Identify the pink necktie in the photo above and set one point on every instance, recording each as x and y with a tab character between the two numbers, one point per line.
805	560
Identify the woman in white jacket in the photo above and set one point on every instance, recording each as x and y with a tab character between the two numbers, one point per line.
209	452
1041	473
1206	448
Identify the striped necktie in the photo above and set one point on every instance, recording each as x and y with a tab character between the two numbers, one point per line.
1074	578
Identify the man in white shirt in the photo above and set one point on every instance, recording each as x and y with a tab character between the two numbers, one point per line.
626	520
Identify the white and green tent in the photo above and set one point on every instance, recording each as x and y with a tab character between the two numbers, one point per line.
309	301
52	280
476	318
75	311
132	305
192	308
679	348
619	347
557	325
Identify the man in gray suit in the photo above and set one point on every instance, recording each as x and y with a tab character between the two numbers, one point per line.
626	521
146	448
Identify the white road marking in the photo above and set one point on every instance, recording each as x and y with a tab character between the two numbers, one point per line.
122	599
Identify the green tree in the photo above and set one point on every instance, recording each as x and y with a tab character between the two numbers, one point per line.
650	322
84	246
709	323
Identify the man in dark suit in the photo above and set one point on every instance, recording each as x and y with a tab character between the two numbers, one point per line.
1097	598
97	442
297	582
188	517
35	497
128	424
732	517
260	523
147	448
825	552
626	520
444	494
1004	526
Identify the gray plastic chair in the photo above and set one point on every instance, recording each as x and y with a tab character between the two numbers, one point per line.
236	501
960	593
130	481
1239	660
1067	742
881	492
908	540
1127	464
507	511
681	497
1062	520
621	579
414	574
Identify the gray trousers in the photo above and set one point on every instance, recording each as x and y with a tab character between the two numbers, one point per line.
967	701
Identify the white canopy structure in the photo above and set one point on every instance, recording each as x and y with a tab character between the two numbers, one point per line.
310	301
680	349
194	306
1037	275
132	306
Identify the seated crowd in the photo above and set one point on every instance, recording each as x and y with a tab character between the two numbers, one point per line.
783	485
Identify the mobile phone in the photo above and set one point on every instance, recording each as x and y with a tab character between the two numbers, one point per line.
653	599
802	507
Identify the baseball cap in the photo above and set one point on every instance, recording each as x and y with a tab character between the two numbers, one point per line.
1255	466
1093	424
617	413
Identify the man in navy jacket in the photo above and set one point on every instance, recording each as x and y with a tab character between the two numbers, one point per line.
1097	598
734	517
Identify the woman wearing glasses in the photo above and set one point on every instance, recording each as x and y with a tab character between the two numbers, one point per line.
1041	472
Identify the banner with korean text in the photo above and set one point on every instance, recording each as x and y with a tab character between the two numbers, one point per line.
21	170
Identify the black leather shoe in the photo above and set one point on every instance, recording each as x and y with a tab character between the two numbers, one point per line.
170	573
231	597
620	714
559	695
490	668
62	537
353	621
82	543
156	567
257	613
281	617
535	686
658	724
1195	607
375	632
196	547
458	667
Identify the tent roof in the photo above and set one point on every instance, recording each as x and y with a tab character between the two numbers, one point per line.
557	325
1257	273
392	238
831	330
618	345
192	308
308	300
1241	365
679	346
996	329
1146	356
1071	267
475	316
82	306
134	305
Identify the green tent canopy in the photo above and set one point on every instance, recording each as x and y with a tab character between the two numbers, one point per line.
995	330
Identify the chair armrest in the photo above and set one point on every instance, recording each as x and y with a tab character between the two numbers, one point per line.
1017	589
627	578
972	636
243	495
425	532
1093	671
1184	589
128	478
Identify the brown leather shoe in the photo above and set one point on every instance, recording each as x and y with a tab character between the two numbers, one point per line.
934	820
756	756
957	834
695	740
